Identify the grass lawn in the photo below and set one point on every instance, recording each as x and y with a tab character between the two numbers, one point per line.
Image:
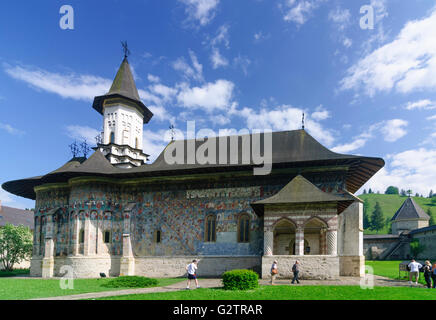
389	269
286	292
18	289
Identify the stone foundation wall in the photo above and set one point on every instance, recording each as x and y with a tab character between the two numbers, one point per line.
311	267
90	267
352	266
211	266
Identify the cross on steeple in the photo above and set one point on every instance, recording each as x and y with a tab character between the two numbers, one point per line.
302	122
125	49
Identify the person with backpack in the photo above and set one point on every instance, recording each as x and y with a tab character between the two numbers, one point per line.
414	270
274	272
296	271
427	273
192	273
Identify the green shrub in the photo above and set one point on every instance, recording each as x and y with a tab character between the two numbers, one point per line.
240	280
130	282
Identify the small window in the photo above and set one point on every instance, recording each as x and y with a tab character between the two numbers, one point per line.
112	137
210	230
107	236
244	228
82	236
158	236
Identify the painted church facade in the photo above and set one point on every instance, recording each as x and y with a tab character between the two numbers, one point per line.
116	214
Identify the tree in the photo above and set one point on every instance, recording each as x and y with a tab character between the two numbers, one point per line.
392	190
416	248
430	194
364	191
431	222
15	245
403	193
377	220
369	191
366	220
417	195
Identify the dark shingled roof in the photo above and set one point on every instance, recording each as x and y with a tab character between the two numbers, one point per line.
410	210
300	190
16	217
425	229
123	86
290	149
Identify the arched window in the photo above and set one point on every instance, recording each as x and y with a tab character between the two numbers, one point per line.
157	236
136	143
244	228
112	137
107	236
210	229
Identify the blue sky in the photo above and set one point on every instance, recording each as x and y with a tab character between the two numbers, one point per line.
226	64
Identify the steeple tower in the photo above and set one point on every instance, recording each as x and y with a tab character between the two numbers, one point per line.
124	115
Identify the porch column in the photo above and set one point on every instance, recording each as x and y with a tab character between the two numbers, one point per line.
299	241
48	260
332	242
268	242
322	242
75	235
127	263
86	236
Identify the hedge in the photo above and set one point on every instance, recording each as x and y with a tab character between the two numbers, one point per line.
240	280
130	282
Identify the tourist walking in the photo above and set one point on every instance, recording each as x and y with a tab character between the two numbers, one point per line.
414	270
433	275
427	274
274	272
296	271
192	273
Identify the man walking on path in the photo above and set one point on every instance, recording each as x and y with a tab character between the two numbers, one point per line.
192	273
414	270
295	271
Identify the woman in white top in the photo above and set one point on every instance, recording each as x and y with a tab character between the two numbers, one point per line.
274	272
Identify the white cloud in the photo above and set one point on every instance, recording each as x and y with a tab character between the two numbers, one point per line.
348	147
391	130
211	96
217	59
421	104
406	64
195	72
410	169
432	117
259	36
242	62
201	10
153	78
347	42
320	114
11	130
221	37
285	117
394	129
154	142
82	133
298	11
73	86
341	17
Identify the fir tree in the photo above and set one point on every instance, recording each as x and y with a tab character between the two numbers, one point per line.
366	220
431	222
377	220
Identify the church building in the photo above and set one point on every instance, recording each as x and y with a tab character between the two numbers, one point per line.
117	214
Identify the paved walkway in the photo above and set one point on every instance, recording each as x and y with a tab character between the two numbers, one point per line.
216	283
